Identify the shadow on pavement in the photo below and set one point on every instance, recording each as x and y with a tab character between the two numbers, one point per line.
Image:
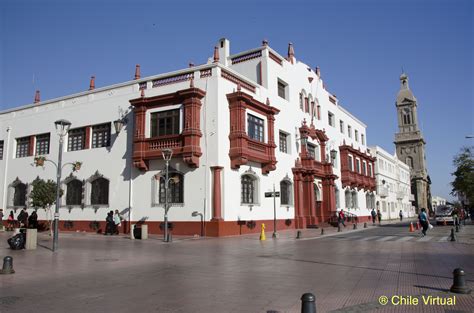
432	288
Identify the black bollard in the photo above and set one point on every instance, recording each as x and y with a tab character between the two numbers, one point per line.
308	303
453	237
322	231
298	234
459	282
355	226
365	225
7	265
339	228
457	228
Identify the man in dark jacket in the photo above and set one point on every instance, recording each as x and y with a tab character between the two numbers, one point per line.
23	218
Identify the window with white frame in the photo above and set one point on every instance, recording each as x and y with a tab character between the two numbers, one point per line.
331	119
350	162
348	198
76	139
356	135
165	123
255	128
100	191
42	144
358	166
22	147
175	188
74	192
248	189
285	192
282	89
284	137
355	203
364	168
341	126
362	139
101	135
349	131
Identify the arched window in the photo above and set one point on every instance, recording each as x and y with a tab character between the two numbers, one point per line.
74	192
337	198
175	188
100	191
285	192
406	116
367	201
248	189
355	203
301	101
19	195
317	194
348	197
372	201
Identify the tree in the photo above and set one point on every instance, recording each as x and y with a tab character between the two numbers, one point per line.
43	196
463	184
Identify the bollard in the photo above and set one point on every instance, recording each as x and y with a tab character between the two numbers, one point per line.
308	303
365	225
338	228
459	282
457	228
298	234
322	231
7	265
355	226
452	238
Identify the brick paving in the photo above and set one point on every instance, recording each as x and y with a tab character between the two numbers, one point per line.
93	273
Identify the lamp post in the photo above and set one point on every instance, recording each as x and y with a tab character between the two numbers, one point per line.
275	235
62	128
167	154
333	154
196	213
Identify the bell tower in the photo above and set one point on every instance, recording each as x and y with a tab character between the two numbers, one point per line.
410	145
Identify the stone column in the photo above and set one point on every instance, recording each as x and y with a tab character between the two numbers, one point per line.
216	197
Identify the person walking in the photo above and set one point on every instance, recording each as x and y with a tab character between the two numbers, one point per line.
109	223
10	221
1	218
379	216
341	217
23	218
33	220
374	216
401	215
423	221
117	222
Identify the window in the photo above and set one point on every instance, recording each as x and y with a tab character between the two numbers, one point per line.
350	163
1	149
364	168
306	105
74	192
349	131
312	150
165	123
42	144
357	165
22	147
355	203
331	119
248	185
341	126
370	170
285	192
406	116
175	188
19	196
318	111
255	128
100	191
337	198
356	135
283	142
77	139
409	162
348	199
282	89
301	101
362	139
101	135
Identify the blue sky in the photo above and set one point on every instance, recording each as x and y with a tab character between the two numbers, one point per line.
361	46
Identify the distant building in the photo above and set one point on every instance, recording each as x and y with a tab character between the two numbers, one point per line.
392	177
437	201
410	145
238	126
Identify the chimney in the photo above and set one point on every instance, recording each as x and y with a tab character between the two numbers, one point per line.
92	83
224	50
37	96
291	53
318	71
137	71
216	54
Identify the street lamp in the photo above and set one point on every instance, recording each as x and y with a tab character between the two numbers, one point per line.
196	213
333	154
62	128
167	154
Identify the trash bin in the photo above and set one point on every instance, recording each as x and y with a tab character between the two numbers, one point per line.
17	242
137	232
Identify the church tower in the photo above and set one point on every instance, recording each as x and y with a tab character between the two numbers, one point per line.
410	145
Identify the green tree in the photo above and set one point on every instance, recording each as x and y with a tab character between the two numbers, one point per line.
463	184
43	195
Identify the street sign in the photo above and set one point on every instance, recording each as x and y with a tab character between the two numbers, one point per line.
270	194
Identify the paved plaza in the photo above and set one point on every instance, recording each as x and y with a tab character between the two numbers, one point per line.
347	272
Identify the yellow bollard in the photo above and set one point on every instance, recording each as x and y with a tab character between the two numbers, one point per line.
262	233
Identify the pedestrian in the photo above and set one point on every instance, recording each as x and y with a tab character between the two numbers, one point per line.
374	216
1	217
423	218
117	221
341	218
10	221
109	223
379	216
33	220
455	215
23	218
401	215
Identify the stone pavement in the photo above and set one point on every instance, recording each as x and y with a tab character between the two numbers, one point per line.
94	273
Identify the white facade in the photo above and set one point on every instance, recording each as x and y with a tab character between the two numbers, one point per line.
437	201
393	185
134	192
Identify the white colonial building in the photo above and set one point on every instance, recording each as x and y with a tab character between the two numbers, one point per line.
393	185
437	201
238	126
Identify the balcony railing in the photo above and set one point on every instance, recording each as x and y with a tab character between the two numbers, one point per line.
165	142
257	146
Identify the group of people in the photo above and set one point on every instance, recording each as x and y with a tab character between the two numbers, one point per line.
112	223
23	220
376	216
